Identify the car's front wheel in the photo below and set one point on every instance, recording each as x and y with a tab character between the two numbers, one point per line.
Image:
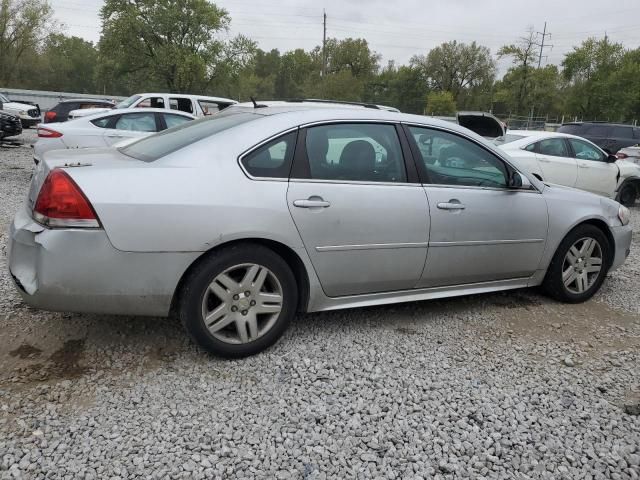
579	266
238	301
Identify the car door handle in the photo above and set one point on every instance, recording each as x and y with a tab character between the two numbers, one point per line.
113	135
544	160
451	206
311	203
582	165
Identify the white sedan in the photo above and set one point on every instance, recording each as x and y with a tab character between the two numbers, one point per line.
573	161
105	129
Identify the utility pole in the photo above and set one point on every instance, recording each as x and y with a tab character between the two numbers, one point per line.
542	45
324	43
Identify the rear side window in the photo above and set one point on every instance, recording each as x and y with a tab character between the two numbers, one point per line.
68	106
599	130
355	152
570	129
137	122
555	147
622	132
173	120
182	104
208	107
151	102
272	160
101	122
172	140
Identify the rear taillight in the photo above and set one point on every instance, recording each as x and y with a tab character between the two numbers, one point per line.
621	156
50	116
48	133
61	203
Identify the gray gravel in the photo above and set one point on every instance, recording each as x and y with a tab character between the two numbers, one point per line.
508	385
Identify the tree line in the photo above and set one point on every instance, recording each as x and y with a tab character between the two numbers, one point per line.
179	46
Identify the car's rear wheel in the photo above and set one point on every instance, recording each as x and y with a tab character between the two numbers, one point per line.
238	301
579	266
628	194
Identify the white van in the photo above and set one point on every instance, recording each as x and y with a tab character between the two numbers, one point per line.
198	105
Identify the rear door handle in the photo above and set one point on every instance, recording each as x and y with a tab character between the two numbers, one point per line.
311	203
451	206
544	160
582	165
113	135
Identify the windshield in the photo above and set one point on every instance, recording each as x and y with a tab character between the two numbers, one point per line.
508	138
127	102
4	99
156	146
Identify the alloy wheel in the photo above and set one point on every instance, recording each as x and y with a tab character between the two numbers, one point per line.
242	303
582	265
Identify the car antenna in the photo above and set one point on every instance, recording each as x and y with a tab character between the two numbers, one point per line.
255	104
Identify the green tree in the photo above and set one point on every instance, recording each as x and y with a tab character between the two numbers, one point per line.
23	26
170	43
402	87
588	69
457	67
67	64
295	68
523	54
440	103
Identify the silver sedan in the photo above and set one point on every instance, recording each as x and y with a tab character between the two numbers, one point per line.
236	222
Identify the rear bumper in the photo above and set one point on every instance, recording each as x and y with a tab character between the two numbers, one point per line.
622	240
74	270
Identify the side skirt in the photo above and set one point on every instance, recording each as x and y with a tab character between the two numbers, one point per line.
322	303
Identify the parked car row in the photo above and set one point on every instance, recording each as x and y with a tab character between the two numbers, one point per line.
197	105
28	113
575	162
236	221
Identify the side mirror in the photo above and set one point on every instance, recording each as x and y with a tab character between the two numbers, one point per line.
519	182
611	158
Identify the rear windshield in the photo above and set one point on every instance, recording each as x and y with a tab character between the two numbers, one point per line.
570	129
508	138
157	146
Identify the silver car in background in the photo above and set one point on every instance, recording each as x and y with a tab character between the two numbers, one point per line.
237	221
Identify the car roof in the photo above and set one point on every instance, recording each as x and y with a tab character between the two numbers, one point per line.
187	95
312	103
86	100
606	124
120	111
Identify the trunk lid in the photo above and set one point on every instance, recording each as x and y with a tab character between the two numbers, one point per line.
482	123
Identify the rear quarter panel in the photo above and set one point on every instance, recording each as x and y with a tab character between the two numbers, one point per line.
189	201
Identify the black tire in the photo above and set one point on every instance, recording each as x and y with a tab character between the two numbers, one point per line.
628	194
197	282
553	284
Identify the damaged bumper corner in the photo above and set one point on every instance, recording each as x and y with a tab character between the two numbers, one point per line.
75	270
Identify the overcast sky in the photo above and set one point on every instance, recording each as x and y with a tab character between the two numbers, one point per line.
399	29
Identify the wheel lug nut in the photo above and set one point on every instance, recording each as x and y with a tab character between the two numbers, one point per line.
253	302
244	312
236	297
234	308
247	293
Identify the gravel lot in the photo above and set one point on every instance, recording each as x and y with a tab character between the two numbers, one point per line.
507	385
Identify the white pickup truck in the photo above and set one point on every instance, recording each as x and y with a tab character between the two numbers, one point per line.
573	161
30	115
198	105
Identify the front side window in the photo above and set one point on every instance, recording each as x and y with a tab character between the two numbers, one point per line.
555	147
531	147
622	132
355	152
182	104
208	107
598	131
175	120
585	151
137	122
448	159
151	102
272	160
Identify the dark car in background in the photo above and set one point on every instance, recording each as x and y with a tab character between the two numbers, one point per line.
608	136
10	124
60	113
